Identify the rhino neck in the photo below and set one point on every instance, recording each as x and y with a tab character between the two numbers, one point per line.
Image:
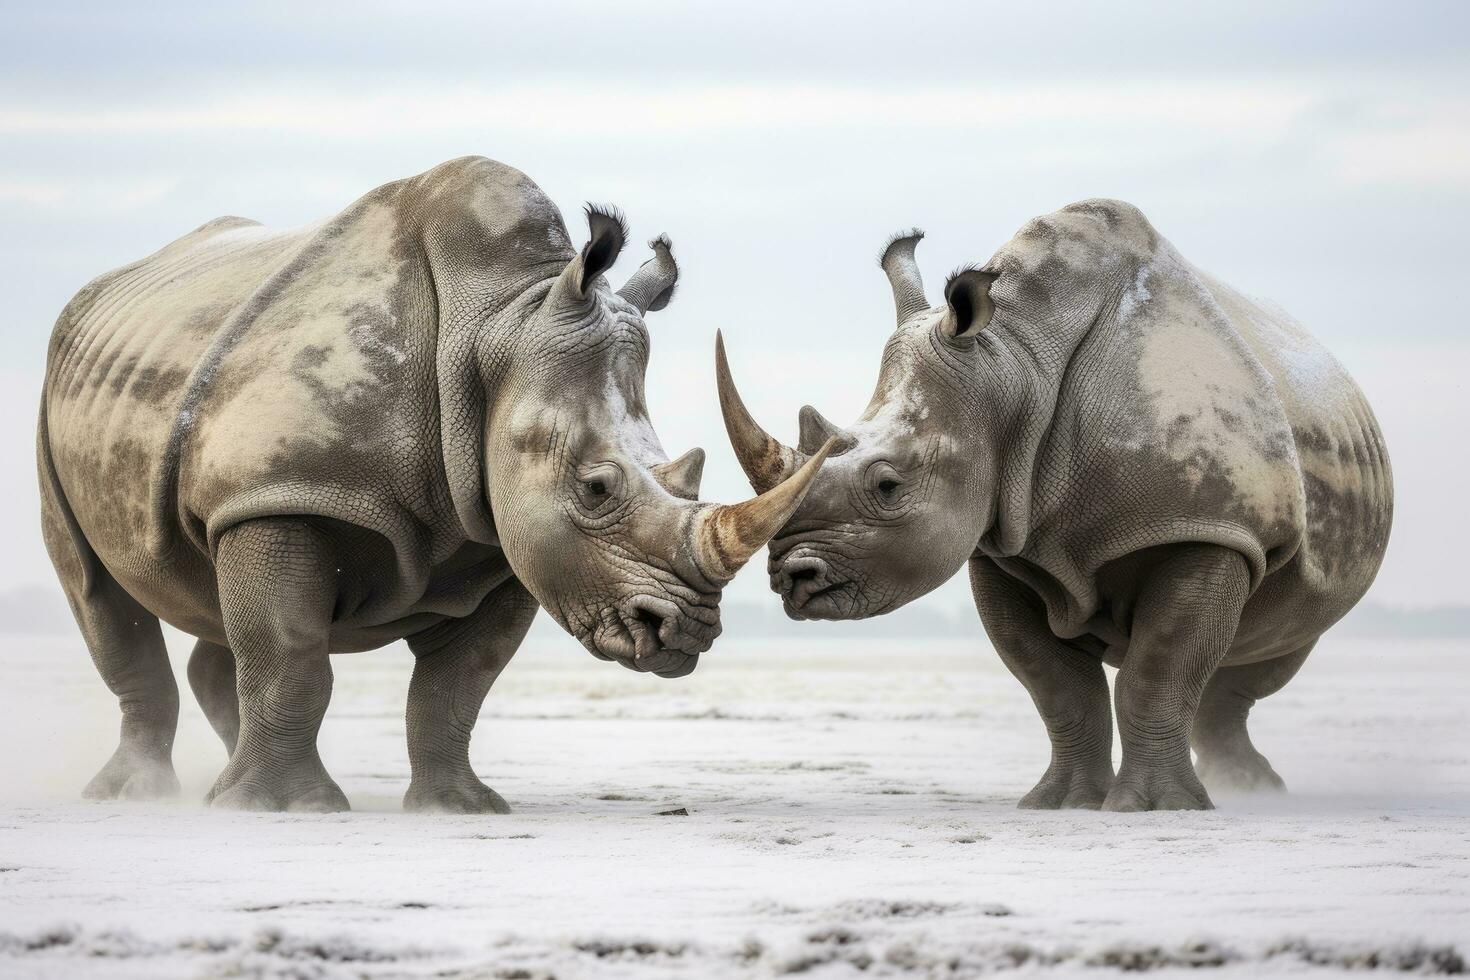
1020	383
473	356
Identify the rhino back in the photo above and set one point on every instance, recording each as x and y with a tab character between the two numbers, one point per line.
119	366
1185	412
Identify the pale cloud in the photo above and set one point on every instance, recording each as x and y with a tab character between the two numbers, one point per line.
103	196
1432	152
1251	110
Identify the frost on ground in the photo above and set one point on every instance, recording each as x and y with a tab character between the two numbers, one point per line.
850	812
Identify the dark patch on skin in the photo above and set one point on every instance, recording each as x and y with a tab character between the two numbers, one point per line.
1313	439
158	385
118	373
1317	440
1179	430
1230	420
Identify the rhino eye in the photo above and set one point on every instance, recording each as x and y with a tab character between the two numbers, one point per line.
884	483
597	487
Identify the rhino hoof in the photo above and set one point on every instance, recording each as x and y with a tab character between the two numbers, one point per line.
317	795
467	796
1157	791
1075	789
1237	774
131	776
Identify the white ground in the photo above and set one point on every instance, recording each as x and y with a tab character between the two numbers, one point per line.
851	812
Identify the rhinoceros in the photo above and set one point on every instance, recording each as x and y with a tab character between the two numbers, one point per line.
1142	467
420	419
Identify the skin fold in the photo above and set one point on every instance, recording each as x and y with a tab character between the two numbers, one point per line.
420	419
1141	466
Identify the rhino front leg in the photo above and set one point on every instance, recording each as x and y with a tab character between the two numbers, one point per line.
276	594
1184	621
457	663
1067	686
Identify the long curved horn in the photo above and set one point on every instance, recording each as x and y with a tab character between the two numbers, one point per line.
652	285
766	461
903	273
726	536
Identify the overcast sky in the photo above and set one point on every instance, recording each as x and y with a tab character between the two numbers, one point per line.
1314	153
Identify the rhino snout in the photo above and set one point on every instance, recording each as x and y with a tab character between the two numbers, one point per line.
805	580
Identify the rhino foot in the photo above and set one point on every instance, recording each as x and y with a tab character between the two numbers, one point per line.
465	795
1069	788
132	775
310	792
1157	789
1239	773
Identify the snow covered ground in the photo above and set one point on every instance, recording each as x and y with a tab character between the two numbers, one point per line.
850	811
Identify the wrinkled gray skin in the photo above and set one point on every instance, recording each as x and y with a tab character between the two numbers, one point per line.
1141	466
418	419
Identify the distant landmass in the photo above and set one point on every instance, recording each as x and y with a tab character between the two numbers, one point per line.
41	609
1367	619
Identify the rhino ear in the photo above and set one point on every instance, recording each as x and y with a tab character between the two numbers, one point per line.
967	294
608	233
652	286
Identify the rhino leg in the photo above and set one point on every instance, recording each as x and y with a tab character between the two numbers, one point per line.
457	663
1067	686
1227	760
276	596
212	676
127	647
1184	621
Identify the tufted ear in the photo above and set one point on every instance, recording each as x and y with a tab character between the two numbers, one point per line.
967	294
607	234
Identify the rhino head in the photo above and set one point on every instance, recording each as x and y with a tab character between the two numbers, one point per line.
596	521
910	487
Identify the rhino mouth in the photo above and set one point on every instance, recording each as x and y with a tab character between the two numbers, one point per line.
649	635
834	601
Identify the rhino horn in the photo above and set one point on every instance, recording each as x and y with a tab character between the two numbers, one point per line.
766	461
903	273
816	429
652	286
680	477
726	536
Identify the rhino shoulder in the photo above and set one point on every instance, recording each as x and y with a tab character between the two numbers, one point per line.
475	203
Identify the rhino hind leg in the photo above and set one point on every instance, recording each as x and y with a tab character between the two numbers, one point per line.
277	593
212	677
457	662
1227	760
127	647
1184	622
1067	686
